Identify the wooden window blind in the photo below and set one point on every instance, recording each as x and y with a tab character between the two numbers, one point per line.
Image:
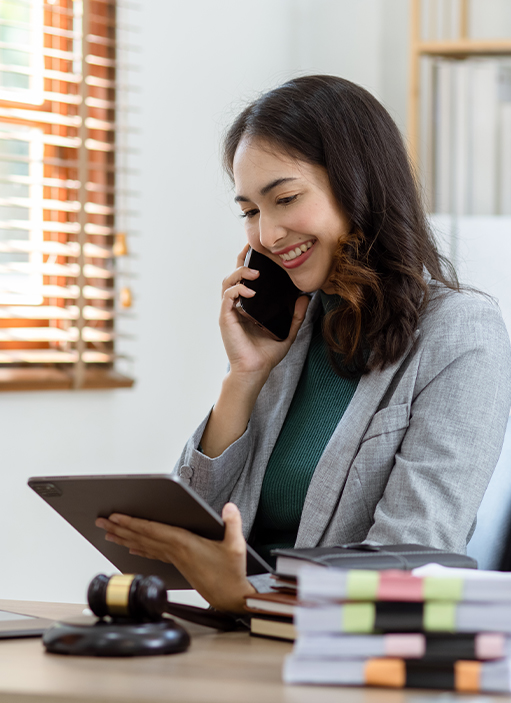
59	246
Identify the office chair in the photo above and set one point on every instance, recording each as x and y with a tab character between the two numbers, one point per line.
491	542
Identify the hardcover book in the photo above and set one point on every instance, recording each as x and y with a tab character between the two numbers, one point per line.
363	556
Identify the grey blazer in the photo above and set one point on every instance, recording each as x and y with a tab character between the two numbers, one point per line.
411	457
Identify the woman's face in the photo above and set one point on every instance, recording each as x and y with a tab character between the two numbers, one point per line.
290	212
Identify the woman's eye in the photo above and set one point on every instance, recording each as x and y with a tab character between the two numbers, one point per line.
287	200
249	213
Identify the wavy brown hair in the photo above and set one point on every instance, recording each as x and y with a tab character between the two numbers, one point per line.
379	269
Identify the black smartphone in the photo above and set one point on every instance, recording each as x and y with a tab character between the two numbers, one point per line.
273	306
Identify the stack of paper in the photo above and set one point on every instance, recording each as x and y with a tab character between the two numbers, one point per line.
435	627
272	613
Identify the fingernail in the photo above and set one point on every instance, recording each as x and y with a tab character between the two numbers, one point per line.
100	523
114	518
254	271
109	538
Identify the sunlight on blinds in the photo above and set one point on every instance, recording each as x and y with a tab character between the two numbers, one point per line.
62	276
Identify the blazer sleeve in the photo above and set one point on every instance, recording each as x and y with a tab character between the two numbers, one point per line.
456	430
213	479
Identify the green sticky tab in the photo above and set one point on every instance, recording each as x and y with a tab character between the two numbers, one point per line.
358	617
442	589
362	584
440	617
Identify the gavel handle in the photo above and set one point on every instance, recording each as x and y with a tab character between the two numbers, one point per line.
201	616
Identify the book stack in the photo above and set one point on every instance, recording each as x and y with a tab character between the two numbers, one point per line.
434	627
272	613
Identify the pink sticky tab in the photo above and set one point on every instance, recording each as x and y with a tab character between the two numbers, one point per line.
489	645
405	646
399	585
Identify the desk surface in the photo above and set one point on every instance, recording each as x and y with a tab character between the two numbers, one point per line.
218	668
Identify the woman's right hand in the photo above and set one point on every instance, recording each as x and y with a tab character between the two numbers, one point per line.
252	355
251	351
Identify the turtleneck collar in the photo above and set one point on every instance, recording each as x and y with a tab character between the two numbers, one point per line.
329	302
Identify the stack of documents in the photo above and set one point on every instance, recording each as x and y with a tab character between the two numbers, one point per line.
272	613
434	627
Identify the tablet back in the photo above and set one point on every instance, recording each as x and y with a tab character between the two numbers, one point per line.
158	497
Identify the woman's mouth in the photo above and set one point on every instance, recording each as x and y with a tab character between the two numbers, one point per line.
296	256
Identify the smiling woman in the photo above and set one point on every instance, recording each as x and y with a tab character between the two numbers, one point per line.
282	196
382	415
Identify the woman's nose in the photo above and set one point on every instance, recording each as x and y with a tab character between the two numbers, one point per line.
270	232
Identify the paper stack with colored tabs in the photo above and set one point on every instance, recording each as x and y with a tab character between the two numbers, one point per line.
435	627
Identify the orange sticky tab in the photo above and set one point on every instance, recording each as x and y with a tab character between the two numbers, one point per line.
467	676
385	672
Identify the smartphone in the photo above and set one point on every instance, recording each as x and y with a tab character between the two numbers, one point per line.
273	306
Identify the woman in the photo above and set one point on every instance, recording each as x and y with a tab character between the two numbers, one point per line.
382	416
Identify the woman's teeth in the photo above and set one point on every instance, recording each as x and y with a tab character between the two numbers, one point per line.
298	251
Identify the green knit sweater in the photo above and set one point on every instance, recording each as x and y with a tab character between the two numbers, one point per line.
318	404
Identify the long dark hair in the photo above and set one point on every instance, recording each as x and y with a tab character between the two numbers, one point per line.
379	269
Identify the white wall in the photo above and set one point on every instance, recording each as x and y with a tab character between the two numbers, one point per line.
199	61
480	248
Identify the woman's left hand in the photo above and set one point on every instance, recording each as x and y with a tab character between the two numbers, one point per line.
216	569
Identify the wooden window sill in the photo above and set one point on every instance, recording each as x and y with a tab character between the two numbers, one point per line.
22	379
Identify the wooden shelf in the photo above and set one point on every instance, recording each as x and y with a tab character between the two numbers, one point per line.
462	48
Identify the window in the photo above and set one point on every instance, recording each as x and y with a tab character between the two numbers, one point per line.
61	257
21	51
21	154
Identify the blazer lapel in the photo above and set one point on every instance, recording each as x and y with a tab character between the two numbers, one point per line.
332	470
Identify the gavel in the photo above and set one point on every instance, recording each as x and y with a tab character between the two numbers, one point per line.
130	609
137	597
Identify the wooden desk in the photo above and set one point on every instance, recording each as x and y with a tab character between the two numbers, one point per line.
218	668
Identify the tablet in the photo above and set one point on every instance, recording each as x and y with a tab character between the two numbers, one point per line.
16	625
158	497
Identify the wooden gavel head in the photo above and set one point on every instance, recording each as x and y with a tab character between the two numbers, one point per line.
127	596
